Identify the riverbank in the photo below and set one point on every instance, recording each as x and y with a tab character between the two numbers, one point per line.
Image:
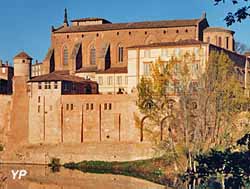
155	170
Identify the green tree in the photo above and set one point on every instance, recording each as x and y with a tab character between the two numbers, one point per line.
208	104
242	13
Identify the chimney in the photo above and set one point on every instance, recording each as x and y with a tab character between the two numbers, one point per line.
7	63
1	63
36	61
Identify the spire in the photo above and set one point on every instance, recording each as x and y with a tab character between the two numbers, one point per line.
204	15
65	17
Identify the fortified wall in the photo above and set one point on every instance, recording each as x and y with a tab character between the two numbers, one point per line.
5	109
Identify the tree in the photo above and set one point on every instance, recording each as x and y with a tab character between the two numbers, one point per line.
238	16
209	102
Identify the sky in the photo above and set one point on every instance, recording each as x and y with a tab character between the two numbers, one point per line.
25	25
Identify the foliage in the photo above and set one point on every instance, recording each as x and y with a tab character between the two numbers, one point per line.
241	14
229	164
55	164
208	108
151	169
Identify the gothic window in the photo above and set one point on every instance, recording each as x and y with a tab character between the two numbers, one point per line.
92	55
120	54
219	41
65	56
227	42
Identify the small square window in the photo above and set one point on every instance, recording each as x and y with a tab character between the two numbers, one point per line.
56	85
87	106
67	106
71	106
105	106
110	106
49	87
39	85
38	108
92	106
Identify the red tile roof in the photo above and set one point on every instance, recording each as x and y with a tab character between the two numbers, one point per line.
90	19
114	70
130	25
176	43
217	29
59	77
22	55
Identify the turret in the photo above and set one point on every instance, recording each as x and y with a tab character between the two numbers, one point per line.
22	65
221	37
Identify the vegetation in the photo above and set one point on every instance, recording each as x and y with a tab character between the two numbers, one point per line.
242	13
209	108
229	165
55	164
152	169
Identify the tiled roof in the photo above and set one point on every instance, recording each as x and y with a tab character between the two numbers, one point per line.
114	70
87	69
90	19
107	71
59	77
217	29
22	55
177	43
130	25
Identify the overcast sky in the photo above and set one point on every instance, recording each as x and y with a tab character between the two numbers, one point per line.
25	24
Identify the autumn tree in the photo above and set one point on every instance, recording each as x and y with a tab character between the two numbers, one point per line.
209	101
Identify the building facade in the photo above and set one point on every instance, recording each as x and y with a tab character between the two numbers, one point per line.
84	92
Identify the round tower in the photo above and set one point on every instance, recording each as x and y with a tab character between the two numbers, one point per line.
221	37
22	65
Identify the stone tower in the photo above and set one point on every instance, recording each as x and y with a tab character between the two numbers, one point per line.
22	65
221	37
20	99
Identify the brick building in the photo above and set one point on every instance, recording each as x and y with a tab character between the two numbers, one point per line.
6	75
72	97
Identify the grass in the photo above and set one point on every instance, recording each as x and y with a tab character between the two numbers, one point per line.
152	169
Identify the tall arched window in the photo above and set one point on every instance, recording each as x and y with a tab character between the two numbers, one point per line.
65	55
220	41
120	53
92	55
